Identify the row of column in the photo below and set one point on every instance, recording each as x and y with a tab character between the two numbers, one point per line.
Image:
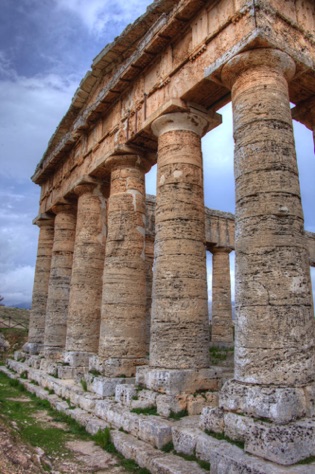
275	323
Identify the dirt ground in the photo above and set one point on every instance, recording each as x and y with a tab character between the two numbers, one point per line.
19	458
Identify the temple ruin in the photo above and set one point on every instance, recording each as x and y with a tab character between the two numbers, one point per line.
120	294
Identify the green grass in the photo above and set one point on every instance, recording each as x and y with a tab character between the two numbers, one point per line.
95	372
309	460
103	439
222	437
178	415
168	447
51	439
145	411
219	354
192	457
83	385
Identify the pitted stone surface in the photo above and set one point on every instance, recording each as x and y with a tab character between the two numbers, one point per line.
60	277
221	321
84	312
179	326
273	299
123	322
280	405
41	281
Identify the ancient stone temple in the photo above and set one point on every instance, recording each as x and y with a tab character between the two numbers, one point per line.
120	297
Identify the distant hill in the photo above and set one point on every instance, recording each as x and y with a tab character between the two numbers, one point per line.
26	305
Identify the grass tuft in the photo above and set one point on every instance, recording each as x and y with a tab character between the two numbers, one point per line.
145	411
178	415
83	385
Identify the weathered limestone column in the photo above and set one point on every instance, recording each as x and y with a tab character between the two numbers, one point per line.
222	326
149	260
275	329
179	325
275	337
59	281
36	333
84	313
123	318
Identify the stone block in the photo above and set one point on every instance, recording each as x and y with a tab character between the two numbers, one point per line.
196	404
87	401
237	427
280	405
175	382
145	399
124	394
94	425
65	372
155	431
283	444
172	464
105	386
77	359
205	445
166	404
185	439
212	419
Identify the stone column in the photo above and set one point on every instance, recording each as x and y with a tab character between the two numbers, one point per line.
149	259
275	324
59	281
222	326
275	337
179	324
123	318
36	333
84	313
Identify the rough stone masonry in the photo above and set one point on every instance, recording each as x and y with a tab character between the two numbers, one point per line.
120	292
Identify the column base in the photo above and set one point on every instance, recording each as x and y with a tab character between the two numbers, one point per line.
77	359
116	367
277	404
32	348
53	353
179	381
274	423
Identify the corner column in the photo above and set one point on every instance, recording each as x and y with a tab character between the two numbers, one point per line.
275	333
36	333
84	313
123	319
222	326
59	280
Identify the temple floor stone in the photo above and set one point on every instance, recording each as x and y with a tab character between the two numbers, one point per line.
142	438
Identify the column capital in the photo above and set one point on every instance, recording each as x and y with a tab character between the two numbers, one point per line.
44	219
218	249
67	207
124	160
257	58
195	120
304	112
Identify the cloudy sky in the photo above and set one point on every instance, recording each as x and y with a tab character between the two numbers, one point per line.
46	47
